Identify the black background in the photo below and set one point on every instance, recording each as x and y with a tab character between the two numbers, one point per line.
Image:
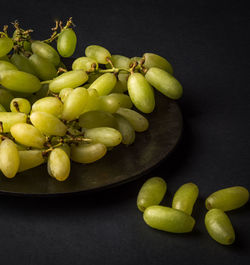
208	44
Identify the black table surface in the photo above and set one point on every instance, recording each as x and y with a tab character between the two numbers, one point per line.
208	45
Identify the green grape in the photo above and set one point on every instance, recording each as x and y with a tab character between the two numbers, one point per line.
151	193
27	46
141	93
6	45
104	135
28	135
135	59
120	61
20	81
126	129
66	148
122	83
75	104
168	219
66	42
93	77
164	82
138	122
30	159
9	158
219	227
85	63
123	100
45	69
46	51
20	105
59	164
5	98
104	84
108	104
4	65
47	123
2	109
97	118
154	60
93	101
64	93
50	105
71	79
228	199
8	119
88	153
5	58
22	63
98	53
185	197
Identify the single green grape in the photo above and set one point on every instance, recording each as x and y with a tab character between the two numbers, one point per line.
168	219
85	63
50	105
66	42
154	60
185	197
30	159
119	61
151	193
228	199
8	119
6	45
22	63
108	104
4	65
20	105
88	153
98	53
104	84
219	227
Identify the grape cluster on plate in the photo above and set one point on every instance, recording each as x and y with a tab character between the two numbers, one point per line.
52	114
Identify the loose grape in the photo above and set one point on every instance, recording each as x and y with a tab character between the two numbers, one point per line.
141	93
164	82
104	84
88	153
138	122
168	219
85	63
20	105
9	158
104	135
6	66
22	63
219	227
154	60
151	193
30	159
66	42
28	135
50	105
6	45
20	81
185	198
228	199
8	119
71	79
98	53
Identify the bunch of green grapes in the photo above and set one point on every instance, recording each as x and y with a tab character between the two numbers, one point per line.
51	114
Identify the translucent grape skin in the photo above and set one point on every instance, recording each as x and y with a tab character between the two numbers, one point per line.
70	79
30	159
123	100
85	63
59	164
125	128
108	104
228	199
93	101
6	45
50	105
141	93
185	197
20	81
28	135
164	82
8	119
22	63
6	66
20	105
48	124
104	84
88	153
168	219
151	193
66	42
105	135
219	227
138	122
9	158
98	53
98	118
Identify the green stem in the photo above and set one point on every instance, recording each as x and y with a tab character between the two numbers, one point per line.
45	82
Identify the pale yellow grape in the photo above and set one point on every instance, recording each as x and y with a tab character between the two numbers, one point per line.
9	158
58	164
154	60
85	63
20	105
48	124
120	61
50	105
139	122
28	135
64	93
88	153
104	84
98	53
8	119
30	159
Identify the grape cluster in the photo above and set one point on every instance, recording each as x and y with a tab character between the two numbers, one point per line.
52	114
